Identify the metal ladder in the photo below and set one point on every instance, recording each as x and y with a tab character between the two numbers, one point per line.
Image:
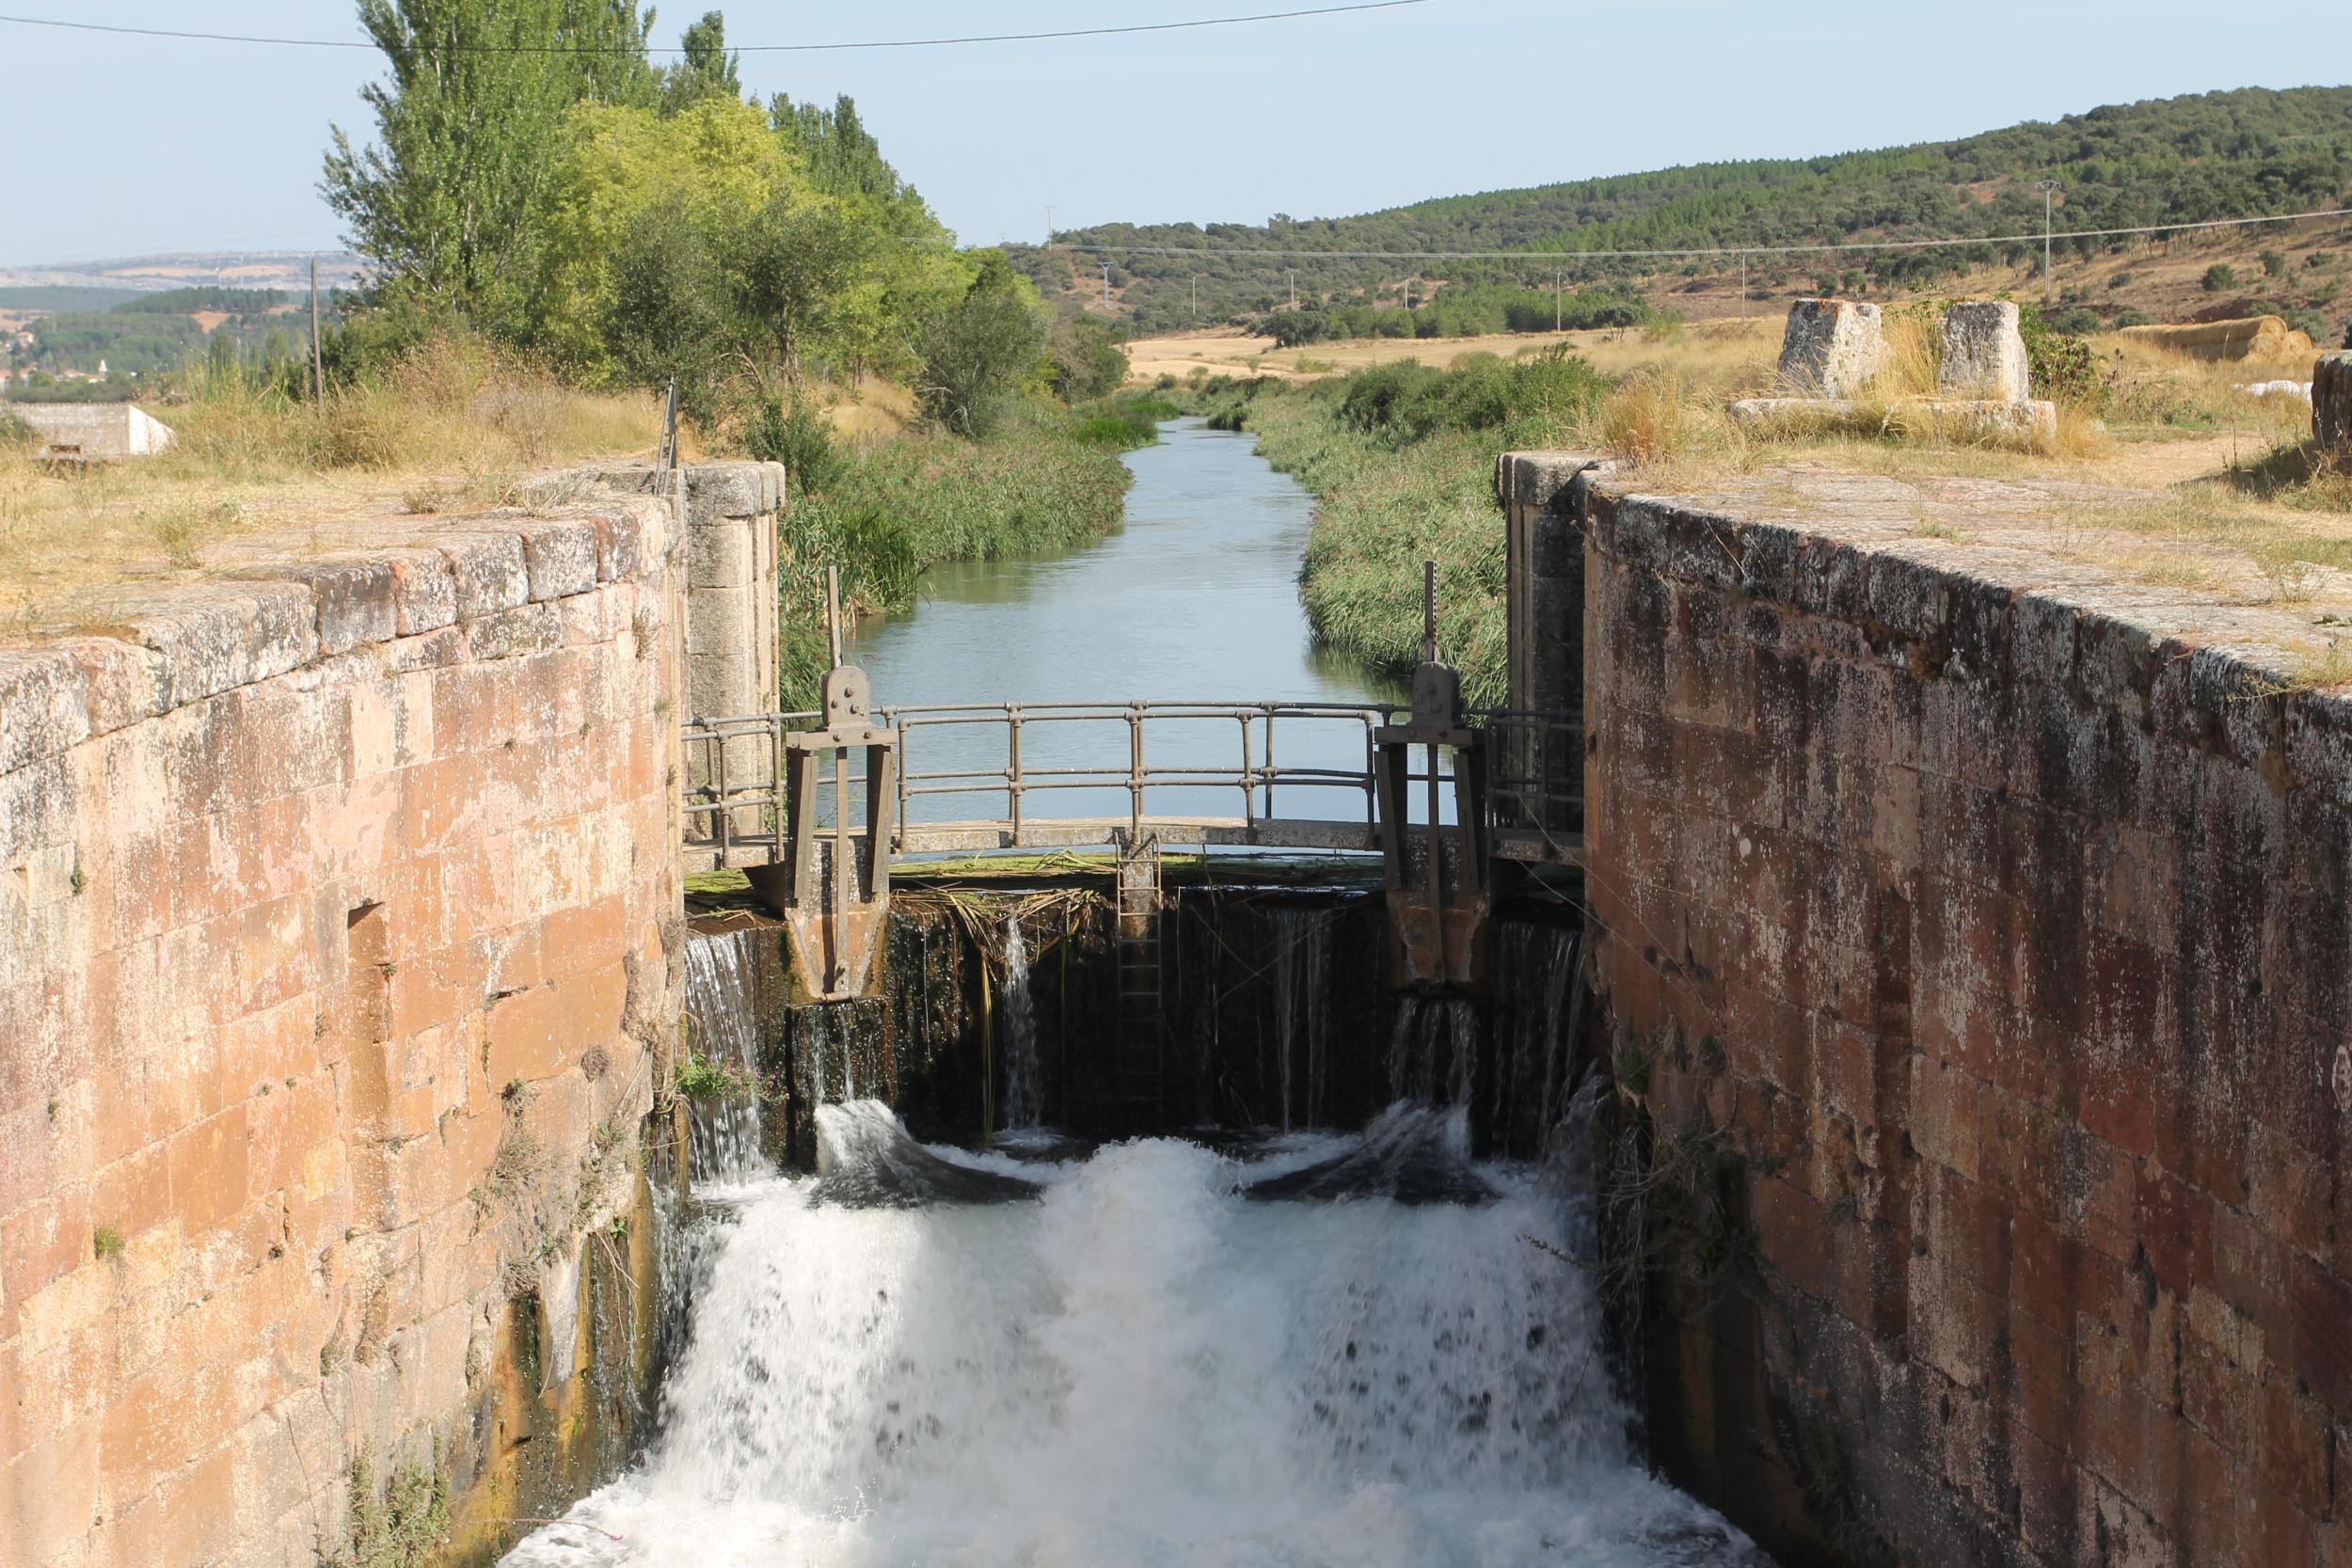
1142	1008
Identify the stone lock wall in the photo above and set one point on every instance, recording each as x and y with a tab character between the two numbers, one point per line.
1978	943
338	923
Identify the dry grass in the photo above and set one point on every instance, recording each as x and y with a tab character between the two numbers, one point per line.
252	474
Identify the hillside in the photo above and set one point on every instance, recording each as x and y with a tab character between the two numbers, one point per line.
2178	160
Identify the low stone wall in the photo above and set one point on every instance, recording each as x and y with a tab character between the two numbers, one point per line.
337	933
1976	939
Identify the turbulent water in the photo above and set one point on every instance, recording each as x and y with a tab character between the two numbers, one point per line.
1130	1360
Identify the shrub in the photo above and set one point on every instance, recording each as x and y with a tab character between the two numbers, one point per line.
2220	276
793	432
2121	279
2076	321
2063	367
2274	263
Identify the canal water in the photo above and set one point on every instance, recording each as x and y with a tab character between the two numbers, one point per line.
1309	1350
1194	600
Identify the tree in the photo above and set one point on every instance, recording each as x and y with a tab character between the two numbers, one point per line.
2219	277
446	201
977	354
706	69
1088	361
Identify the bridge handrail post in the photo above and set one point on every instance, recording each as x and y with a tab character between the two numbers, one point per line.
775	736
906	766
719	780
1248	782
1012	770
1135	768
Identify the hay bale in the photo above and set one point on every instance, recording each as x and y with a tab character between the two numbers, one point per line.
2242	337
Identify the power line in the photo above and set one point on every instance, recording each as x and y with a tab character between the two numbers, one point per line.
738	49
1699	250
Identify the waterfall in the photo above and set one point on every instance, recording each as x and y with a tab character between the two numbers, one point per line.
1025	1093
722	1031
1537	1020
1302	989
1123	1359
1432	1049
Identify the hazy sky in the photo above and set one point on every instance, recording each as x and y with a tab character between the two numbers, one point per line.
118	146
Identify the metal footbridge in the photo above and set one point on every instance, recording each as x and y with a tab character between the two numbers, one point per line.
816	806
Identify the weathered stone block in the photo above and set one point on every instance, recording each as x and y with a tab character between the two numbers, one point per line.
1984	353
489	572
560	558
715	490
1831	348
722	553
212	640
357	598
424	591
44	704
2331	402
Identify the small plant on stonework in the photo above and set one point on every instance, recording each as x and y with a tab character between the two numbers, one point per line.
107	1242
77	881
700	1078
402	1528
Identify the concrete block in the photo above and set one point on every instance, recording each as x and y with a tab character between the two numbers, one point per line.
489	570
44	704
2331	402
1831	348
1984	353
560	558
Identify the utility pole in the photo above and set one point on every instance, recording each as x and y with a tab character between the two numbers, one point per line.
1291	273
1196	299
1743	285
2048	189
1049	223
1107	282
1555	299
318	361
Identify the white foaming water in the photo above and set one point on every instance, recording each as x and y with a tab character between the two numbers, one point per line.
1140	1367
1025	1095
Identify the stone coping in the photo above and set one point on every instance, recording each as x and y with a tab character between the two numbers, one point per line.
167	648
1849	546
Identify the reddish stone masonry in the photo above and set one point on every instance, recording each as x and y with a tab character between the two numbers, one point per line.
1999	920
338	907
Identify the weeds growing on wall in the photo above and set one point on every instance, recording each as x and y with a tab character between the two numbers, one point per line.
404	1526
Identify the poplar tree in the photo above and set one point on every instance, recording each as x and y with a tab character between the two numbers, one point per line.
446	199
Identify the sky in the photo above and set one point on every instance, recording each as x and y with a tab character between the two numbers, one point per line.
147	144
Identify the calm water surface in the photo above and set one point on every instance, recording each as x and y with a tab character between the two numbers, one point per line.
1195	598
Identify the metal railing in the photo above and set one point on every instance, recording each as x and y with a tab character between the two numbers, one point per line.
1282	755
